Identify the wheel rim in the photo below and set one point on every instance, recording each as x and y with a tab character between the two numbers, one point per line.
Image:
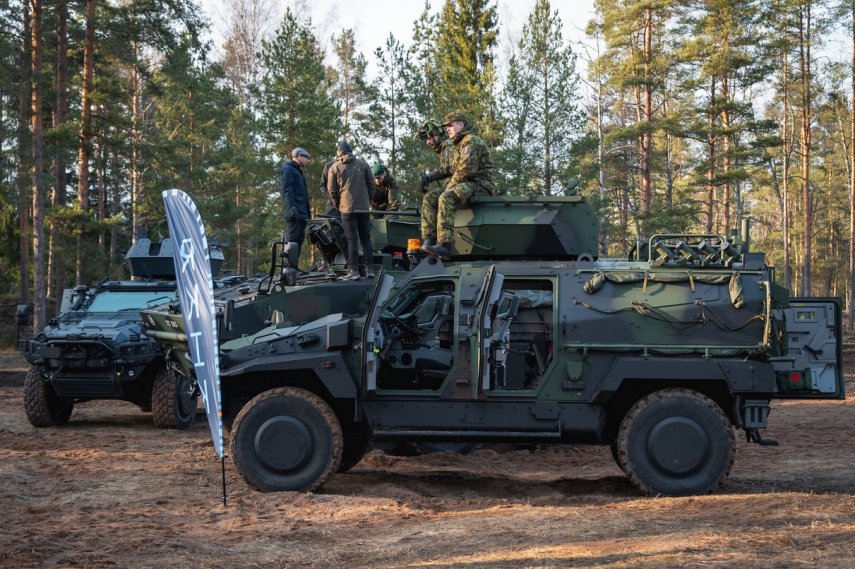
185	402
283	445
678	447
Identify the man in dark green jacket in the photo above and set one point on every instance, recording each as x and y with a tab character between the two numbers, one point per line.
471	168
386	196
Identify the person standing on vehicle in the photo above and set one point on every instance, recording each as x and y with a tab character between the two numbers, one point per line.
351	188
386	197
471	170
437	139
295	197
330	209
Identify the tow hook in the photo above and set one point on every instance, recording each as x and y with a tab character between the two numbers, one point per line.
752	435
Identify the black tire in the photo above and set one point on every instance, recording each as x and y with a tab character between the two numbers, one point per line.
173	400
615	456
286	439
356	444
676	442
43	406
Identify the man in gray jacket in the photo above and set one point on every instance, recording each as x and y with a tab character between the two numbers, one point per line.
351	188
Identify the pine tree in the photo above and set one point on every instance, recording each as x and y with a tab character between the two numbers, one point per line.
541	95
350	88
296	108
468	31
389	111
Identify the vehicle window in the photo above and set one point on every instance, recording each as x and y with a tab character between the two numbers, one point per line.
112	301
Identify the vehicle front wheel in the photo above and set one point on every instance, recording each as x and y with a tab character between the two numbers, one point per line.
676	442
173	400
43	406
286	439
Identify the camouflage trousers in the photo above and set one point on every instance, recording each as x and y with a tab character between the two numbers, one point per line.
438	207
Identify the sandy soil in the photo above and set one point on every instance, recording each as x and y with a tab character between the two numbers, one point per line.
111	490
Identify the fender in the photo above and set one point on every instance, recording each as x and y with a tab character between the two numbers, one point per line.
330	367
742	377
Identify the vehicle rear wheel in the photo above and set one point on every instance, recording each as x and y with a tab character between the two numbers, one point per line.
676	442
173	400
43	406
286	439
615	456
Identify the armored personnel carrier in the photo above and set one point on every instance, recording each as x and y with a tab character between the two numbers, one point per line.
526	336
94	348
283	297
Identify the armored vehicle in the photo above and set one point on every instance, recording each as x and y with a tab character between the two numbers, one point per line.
526	336
94	349
284	297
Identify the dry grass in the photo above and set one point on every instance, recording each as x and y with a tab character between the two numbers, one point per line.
111	490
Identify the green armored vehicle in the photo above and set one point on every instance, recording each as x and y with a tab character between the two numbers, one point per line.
525	336
94	349
286	297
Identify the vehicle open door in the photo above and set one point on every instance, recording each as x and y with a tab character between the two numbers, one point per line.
496	310
812	367
371	334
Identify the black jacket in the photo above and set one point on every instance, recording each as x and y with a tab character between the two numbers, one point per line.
292	185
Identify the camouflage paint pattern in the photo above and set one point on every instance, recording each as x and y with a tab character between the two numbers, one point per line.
471	169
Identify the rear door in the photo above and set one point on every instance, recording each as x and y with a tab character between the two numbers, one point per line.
813	367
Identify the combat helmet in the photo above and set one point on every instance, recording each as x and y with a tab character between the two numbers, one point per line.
431	127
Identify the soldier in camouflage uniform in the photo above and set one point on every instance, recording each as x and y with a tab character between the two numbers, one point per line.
386	196
471	169
437	139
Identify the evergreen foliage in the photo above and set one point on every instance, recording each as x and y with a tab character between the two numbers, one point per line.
692	117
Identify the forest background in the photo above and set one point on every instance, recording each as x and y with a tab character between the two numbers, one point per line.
686	116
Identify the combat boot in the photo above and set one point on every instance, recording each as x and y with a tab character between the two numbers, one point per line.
441	250
428	243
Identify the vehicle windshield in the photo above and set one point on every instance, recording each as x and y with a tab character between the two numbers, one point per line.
112	301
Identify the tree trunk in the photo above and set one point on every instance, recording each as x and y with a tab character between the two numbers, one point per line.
115	207
646	137
711	162
850	297
806	80
24	156
136	111
60	194
785	173
726	190
39	296
102	190
85	134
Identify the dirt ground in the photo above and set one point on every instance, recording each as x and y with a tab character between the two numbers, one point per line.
110	490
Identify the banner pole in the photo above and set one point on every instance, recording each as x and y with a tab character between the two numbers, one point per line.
223	462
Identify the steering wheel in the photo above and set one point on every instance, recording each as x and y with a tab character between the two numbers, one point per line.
403	324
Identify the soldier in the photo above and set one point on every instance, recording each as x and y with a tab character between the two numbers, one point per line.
386	196
437	139
471	169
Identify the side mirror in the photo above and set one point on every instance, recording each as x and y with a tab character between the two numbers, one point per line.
22	316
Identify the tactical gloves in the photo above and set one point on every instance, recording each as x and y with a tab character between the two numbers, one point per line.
424	184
